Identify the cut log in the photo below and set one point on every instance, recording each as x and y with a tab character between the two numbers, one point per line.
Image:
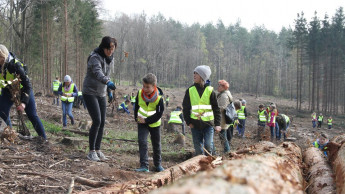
320	173
274	171
339	165
171	174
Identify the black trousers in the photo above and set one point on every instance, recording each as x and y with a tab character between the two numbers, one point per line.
143	132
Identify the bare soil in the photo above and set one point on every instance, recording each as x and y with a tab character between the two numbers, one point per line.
35	166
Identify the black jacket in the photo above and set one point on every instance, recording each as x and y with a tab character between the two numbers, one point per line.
18	69
199	124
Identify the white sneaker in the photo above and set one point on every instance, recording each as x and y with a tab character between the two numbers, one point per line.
93	156
101	155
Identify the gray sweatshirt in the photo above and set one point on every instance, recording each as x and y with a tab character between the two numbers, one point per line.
97	76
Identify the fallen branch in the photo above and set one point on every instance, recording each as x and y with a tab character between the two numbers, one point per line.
71	186
38	174
56	163
90	183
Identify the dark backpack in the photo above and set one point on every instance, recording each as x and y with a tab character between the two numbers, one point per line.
230	114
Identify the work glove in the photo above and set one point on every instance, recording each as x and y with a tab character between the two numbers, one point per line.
110	96
111	85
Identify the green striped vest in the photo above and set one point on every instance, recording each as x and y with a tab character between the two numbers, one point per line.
262	116
330	121
133	99
56	85
201	107
240	113
175	117
287	119
70	91
148	110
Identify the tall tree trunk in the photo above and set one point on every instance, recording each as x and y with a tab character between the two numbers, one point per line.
65	51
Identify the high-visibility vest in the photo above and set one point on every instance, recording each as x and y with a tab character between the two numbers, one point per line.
175	117
240	113
70	91
80	93
133	99
314	117
320	118
201	107
148	110
167	100
287	119
329	121
56	84
262	116
9	76
125	105
269	116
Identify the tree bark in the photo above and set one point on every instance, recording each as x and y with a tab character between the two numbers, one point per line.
339	165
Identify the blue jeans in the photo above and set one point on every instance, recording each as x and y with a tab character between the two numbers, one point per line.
243	128
30	110
314	124
224	140
203	138
278	133
329	126
67	110
272	132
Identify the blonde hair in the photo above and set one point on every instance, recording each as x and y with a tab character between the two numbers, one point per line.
3	51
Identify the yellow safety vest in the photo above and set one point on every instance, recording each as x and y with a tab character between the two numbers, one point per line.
148	110
56	85
287	119
175	117
330	121
262	116
320	118
70	91
201	107
269	117
124	103
240	113
133	99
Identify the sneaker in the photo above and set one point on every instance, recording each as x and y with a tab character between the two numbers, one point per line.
159	168
142	169
93	156
101	155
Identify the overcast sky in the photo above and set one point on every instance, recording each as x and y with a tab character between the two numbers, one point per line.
273	14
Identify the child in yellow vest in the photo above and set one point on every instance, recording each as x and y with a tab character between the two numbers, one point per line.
330	122
148	111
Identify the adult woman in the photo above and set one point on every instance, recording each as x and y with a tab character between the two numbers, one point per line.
68	91
95	87
224	98
10	68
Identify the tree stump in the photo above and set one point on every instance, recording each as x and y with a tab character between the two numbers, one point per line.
72	141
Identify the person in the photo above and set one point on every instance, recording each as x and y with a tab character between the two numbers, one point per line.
167	100
133	99
262	119
330	122
149	108
319	120
68	91
283	121
95	87
242	114
200	108
230	131
56	84
124	107
321	143
224	98
176	118
313	119
10	68
272	119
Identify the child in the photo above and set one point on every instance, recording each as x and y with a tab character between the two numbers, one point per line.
242	114
319	120
132	99
200	108
176	118
230	131
272	119
313	119
262	119
321	143
148	111
167	100
283	122
329	122
124	107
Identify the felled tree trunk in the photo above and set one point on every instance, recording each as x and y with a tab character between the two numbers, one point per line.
339	165
170	175
273	171
319	176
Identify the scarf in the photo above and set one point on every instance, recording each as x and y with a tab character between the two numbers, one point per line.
102	54
67	88
152	97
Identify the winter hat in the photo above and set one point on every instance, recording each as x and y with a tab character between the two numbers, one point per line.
243	102
204	72
67	78
3	51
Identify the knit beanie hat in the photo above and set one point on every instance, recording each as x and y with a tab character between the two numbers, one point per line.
3	52
204	71
67	78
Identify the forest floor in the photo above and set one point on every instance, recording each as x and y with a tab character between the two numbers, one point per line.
34	166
